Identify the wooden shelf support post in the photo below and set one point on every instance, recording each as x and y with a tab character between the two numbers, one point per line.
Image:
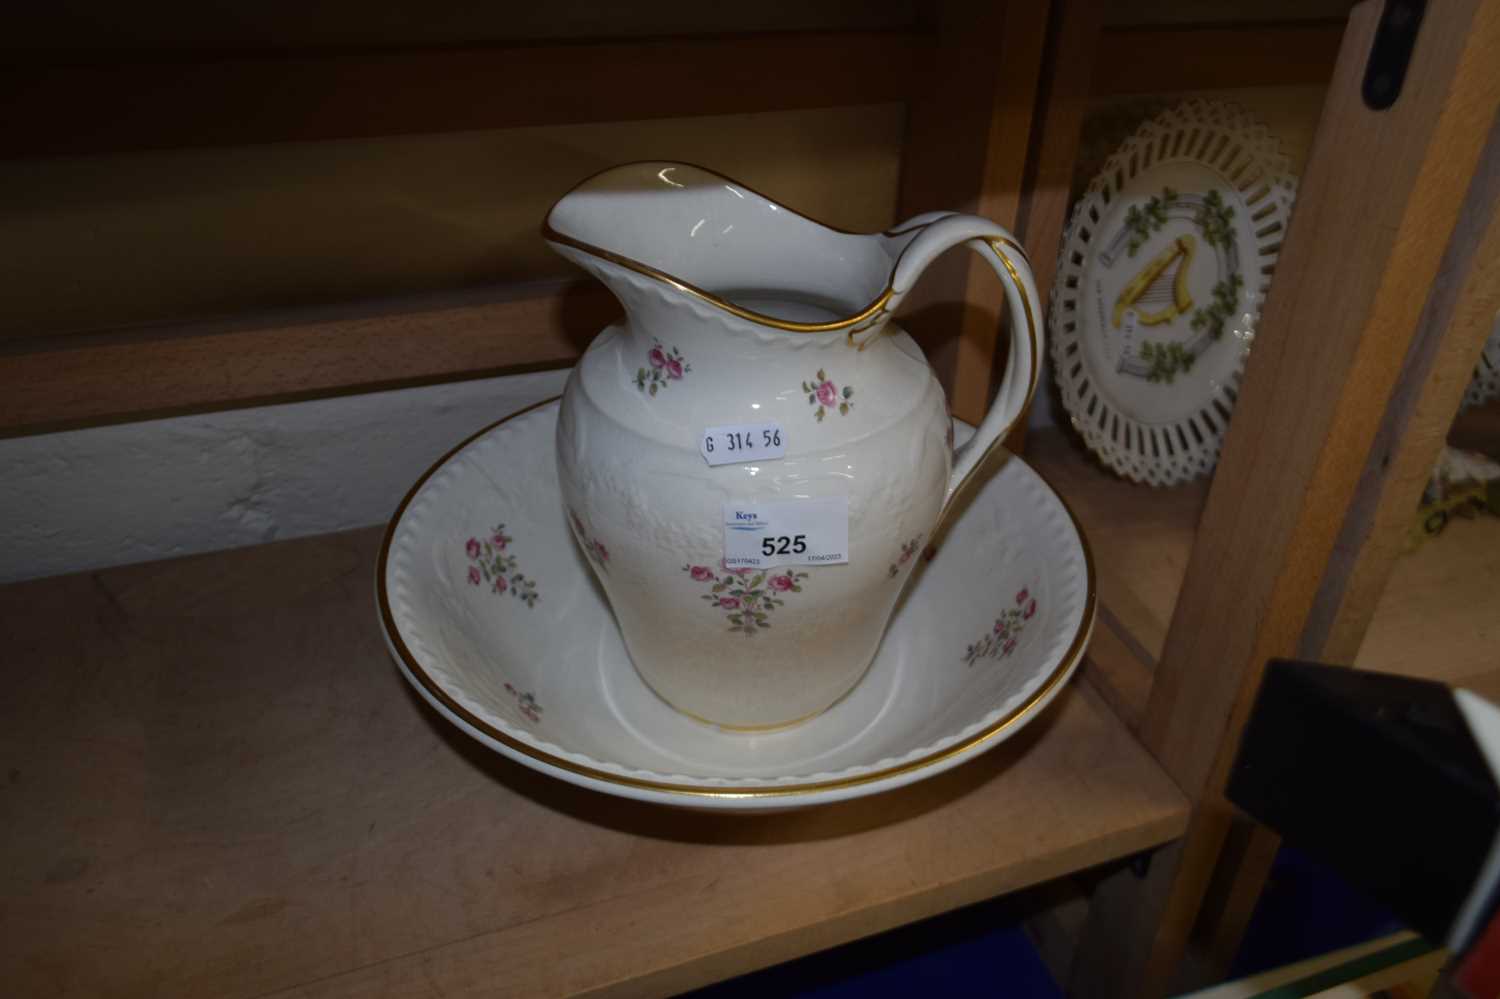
1378	214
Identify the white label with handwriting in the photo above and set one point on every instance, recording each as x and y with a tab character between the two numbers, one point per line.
742	442
786	532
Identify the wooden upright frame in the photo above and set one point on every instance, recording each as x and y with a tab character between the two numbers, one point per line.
1384	292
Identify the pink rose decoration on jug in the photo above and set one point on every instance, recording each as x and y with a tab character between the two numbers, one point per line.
907	551
592	547
748	603
824	394
666	366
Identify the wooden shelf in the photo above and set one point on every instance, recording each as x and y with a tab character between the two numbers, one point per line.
1141	538
217	784
1439	617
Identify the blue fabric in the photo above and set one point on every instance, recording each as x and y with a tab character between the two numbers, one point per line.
1307	910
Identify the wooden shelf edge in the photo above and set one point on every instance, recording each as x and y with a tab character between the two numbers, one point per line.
80	381
1120	676
1157	59
470	962
170	102
1141	535
88	105
313	826
1439	616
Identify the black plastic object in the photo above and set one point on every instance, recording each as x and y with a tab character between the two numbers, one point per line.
1390	56
1376	776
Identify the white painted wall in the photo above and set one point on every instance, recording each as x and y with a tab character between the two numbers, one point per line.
105	496
87	499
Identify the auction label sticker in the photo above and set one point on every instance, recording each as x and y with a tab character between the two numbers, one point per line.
762	534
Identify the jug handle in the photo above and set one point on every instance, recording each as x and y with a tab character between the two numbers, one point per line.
1023	367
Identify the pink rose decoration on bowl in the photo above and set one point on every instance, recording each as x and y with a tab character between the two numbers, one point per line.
603	552
1009	628
729	603
782	583
490	563
701	573
659	360
674	368
828	394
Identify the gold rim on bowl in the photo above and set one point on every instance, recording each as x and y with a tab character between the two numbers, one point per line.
436	693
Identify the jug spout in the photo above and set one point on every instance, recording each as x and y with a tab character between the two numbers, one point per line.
667	236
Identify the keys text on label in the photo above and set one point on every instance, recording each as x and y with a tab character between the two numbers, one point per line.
786	532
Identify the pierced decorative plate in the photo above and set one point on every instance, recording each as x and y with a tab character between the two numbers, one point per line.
1486	382
1164	265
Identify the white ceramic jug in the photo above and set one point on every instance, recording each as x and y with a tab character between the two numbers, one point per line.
739	311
